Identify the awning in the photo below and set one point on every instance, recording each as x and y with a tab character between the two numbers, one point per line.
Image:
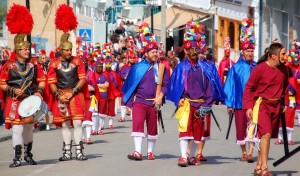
176	17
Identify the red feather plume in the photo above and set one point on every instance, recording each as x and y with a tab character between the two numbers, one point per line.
65	18
19	20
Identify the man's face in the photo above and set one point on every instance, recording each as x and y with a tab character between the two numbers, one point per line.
131	60
43	59
99	68
280	58
91	58
248	54
108	65
201	55
192	53
152	55
66	53
24	53
227	53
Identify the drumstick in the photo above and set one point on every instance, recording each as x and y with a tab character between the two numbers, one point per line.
27	86
24	83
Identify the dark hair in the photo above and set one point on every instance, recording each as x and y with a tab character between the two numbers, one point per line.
209	51
273	49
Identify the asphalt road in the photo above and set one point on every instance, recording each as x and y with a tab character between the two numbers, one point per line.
108	155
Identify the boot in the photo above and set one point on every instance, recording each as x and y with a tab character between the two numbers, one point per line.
79	155
28	155
17	159
67	155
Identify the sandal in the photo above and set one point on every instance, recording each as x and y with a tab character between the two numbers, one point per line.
135	156
200	157
278	142
244	157
257	172
266	172
291	142
250	158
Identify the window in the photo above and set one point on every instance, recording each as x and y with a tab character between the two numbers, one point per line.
88	11
238	2
1	29
296	27
231	31
280	28
81	9
74	7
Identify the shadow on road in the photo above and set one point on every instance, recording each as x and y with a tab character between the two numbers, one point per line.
285	173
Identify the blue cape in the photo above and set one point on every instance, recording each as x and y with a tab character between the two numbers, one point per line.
235	83
134	77
214	79
176	84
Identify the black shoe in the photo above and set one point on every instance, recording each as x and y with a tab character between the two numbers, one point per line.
16	163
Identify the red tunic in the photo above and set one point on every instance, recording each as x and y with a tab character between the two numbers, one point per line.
76	106
8	101
269	83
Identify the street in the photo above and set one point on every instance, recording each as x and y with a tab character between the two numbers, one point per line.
108	155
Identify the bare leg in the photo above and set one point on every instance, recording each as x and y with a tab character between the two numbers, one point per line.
264	149
200	147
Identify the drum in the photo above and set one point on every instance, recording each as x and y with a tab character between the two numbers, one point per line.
33	106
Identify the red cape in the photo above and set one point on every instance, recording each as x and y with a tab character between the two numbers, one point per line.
113	92
222	66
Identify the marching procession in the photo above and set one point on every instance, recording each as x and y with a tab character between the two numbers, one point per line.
133	74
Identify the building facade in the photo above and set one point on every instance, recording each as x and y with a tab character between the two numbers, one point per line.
44	34
279	19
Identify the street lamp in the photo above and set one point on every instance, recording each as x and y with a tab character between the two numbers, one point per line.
152	4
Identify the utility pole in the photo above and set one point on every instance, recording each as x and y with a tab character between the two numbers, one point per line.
163	23
29	35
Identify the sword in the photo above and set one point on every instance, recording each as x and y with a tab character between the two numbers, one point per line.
230	122
287	154
174	112
214	117
160	118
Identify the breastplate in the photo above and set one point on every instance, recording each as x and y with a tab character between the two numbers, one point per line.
67	78
17	78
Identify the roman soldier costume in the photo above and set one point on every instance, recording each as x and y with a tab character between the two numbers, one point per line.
19	79
67	79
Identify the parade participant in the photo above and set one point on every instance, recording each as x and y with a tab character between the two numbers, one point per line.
236	80
5	55
91	111
19	79
264	107
144	89
44	61
173	60
294	97
189	74
115	86
67	79
294	65
219	94
131	57
103	85
163	59
226	63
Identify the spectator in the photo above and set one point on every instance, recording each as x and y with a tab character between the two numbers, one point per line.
181	53
210	57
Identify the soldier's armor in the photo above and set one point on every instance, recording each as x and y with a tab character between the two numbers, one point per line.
21	72
67	76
